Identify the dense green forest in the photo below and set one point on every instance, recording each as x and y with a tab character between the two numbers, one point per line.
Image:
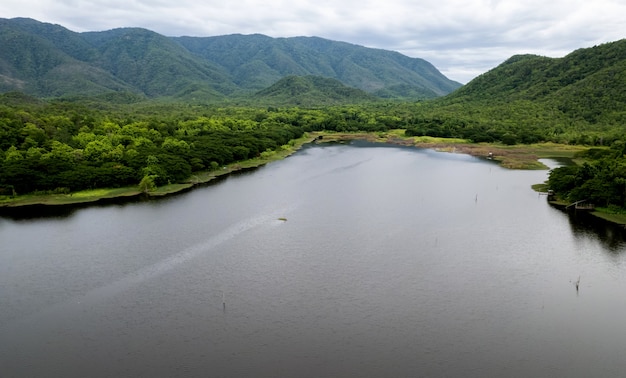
69	147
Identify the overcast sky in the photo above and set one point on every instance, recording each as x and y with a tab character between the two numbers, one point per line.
462	38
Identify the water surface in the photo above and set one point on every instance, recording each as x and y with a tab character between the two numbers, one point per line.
394	262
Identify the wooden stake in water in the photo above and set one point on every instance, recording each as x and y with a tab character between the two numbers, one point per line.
223	301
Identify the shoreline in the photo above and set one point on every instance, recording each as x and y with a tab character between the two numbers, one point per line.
29	203
512	157
616	219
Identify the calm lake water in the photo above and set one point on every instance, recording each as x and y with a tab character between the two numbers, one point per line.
393	262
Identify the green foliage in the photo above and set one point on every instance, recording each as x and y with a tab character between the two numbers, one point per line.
147	184
601	180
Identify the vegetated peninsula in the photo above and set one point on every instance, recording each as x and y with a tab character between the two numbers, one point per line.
129	108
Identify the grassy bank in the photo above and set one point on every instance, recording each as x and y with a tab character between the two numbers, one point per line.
611	216
616	216
83	196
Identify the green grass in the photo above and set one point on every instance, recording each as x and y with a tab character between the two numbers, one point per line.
541	188
71	198
169	189
611	215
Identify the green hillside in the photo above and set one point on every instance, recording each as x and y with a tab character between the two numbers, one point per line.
48	60
578	99
309	91
156	65
31	62
257	61
595	73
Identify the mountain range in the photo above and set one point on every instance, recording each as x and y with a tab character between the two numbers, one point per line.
47	60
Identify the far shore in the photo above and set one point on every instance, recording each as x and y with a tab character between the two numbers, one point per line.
512	157
522	156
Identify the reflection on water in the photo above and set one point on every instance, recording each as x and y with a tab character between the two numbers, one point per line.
392	262
584	225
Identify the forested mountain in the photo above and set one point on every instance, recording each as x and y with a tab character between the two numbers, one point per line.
257	61
48	60
587	83
577	99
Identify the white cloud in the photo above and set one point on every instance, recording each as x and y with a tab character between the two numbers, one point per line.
462	38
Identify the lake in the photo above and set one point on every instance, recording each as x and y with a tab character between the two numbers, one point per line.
355	260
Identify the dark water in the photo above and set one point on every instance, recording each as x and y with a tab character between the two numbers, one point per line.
393	262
